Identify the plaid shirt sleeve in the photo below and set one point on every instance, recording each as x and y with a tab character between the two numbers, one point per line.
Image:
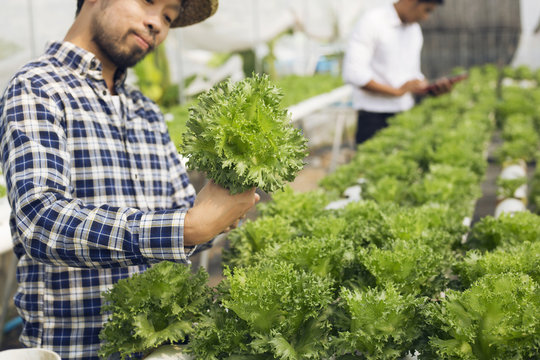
53	221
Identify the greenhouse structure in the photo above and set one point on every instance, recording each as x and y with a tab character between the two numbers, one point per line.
422	242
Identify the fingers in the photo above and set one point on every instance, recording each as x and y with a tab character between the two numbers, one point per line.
236	224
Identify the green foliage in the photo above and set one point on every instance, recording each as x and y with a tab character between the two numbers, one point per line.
298	88
219	332
177	126
241	136
153	308
520	139
515	101
523	72
325	255
445	184
154	78
284	310
343	177
382	326
413	267
436	225
497	318
506	230
299	208
506	188
524	258
254	237
367	224
534	195
3	191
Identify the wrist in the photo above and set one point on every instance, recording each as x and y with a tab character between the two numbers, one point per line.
195	231
400	91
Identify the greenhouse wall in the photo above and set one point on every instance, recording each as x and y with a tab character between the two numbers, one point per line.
467	33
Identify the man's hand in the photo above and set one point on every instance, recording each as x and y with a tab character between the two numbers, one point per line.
415	86
215	211
439	87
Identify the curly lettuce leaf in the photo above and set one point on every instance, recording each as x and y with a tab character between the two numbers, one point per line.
496	318
153	308
413	267
284	310
253	237
506	230
524	258
382	326
242	137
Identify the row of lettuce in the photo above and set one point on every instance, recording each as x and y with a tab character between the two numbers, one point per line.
397	272
519	121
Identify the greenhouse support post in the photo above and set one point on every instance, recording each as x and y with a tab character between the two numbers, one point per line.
256	36
31	28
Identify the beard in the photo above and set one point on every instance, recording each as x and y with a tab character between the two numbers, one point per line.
111	47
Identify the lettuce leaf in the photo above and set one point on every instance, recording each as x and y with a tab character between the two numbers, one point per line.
284	311
506	230
497	318
242	137
382	326
153	308
524	258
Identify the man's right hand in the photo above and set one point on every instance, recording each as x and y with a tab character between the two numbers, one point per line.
214	211
415	86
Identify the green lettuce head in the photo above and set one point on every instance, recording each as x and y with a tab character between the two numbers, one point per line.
242	137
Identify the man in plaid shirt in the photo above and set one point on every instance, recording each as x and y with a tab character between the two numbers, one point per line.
96	186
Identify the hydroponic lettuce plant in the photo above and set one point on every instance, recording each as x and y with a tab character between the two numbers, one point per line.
506	230
156	307
497	318
267	311
524	258
242	137
414	268
254	237
382	325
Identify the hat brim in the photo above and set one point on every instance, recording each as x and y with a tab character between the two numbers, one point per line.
195	11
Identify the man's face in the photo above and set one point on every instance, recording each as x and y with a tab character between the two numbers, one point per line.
419	11
124	31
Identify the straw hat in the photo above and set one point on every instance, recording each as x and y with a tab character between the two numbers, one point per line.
194	11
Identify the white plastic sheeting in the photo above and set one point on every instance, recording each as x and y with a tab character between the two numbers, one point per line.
241	24
238	24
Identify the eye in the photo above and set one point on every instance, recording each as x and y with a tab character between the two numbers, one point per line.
168	19
149	1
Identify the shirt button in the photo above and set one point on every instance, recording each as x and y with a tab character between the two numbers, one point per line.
105	92
136	176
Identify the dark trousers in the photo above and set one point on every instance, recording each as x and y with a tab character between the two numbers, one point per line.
369	123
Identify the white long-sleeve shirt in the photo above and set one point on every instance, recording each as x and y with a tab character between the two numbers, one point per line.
383	49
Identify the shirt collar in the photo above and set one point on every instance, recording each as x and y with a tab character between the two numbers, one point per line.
81	61
394	19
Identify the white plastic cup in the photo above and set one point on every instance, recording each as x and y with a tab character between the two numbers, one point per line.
29	354
168	352
513	171
510	206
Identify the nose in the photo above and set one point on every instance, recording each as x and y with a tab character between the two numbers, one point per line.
153	23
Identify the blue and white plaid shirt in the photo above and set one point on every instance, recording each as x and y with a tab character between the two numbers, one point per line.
98	192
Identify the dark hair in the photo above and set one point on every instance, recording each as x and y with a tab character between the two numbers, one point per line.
79	6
